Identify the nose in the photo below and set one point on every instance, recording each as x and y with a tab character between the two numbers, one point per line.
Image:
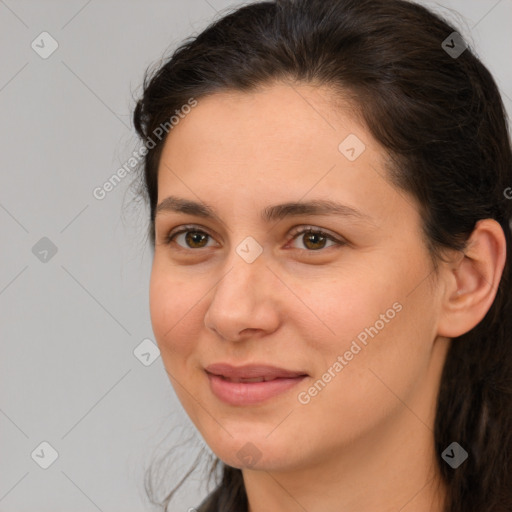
244	301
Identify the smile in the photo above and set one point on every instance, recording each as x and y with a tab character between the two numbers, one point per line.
249	391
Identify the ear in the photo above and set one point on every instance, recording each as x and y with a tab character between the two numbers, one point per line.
471	280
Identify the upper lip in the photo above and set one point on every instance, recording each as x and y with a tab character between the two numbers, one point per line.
250	371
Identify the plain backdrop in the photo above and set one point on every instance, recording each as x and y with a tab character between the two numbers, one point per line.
80	378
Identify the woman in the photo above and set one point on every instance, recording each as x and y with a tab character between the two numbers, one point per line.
330	291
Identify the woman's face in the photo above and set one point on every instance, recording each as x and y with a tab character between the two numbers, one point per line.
353	311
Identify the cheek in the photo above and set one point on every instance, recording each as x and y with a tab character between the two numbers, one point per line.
376	320
343	308
373	379
171	311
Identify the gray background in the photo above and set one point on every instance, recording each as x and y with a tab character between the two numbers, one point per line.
70	324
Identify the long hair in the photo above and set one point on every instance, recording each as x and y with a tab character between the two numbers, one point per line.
440	117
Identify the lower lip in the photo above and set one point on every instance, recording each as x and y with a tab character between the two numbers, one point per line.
248	393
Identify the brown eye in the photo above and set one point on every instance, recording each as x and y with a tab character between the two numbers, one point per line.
195	237
192	238
314	239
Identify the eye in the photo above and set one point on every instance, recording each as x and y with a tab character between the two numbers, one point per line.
193	238
315	239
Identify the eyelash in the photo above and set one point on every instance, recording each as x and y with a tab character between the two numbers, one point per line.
295	234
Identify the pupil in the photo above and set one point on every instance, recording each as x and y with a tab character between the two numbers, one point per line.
195	237
312	236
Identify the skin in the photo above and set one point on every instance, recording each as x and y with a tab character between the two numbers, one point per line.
365	442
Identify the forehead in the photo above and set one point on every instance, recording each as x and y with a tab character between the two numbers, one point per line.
279	144
294	124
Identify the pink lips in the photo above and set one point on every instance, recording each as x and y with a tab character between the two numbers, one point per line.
228	383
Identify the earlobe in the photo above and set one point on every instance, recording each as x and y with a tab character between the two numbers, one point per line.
471	281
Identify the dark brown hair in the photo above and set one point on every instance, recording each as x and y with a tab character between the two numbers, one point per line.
441	119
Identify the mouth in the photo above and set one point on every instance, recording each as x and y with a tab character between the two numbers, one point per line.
251	371
254	379
252	384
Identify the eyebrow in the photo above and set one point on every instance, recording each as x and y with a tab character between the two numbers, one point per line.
268	214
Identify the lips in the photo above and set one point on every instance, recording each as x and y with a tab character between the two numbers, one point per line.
251	385
251	373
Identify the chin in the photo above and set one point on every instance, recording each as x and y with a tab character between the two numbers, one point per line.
253	452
